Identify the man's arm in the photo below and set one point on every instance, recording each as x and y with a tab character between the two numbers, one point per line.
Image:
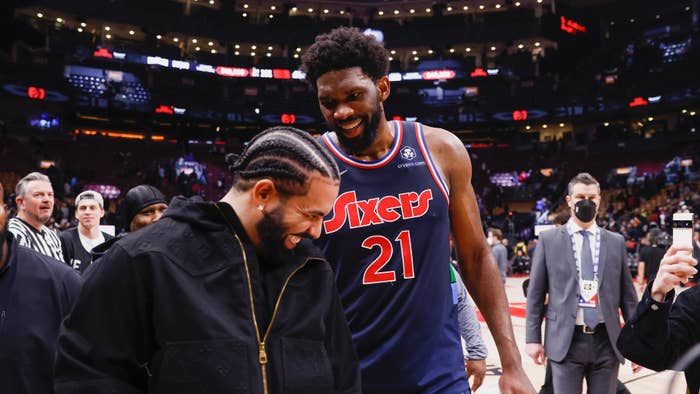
103	345
477	265
536	296
658	333
470	330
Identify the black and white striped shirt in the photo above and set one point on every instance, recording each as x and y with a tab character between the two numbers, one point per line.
45	241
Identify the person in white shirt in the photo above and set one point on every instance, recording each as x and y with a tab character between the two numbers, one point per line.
78	242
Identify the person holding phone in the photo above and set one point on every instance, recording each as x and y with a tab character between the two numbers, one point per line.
661	330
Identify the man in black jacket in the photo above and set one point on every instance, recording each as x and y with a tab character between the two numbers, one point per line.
78	242
661	331
36	293
226	297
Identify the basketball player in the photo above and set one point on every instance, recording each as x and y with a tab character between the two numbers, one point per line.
404	188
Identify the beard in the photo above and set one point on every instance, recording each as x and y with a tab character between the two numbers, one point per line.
369	134
272	234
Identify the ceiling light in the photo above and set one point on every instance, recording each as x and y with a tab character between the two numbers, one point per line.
449	8
39	15
310	10
176	39
416	58
296	56
252	54
539	1
236	53
268	54
342	12
468	49
411	11
253	47
273	7
211	43
452	50
537	44
517	4
520	46
527	127
211	2
396	12
481	7
83	24
194	40
414	52
269	48
245	6
271	16
465	8
391	59
561	125
430	51
606	124
544	126
498	6
159	36
108	36
428	10
245	14
326	10
380	12
493	48
213	51
197	48
59	20
107	28
131	32
393	52
80	30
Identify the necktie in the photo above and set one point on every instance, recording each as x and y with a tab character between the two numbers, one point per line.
590	315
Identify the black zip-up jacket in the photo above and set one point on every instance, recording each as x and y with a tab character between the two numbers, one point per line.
167	310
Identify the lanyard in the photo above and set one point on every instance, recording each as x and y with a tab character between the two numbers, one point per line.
596	255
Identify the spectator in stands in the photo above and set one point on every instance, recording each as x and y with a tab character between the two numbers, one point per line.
35	199
79	241
36	293
649	257
221	297
495	236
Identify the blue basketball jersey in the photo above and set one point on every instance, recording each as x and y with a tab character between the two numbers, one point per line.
387	239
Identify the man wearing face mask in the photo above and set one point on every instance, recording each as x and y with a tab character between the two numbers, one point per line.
583	269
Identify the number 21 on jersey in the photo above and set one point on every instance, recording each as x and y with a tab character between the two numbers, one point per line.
373	273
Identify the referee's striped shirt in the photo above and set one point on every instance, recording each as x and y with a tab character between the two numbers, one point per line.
44	241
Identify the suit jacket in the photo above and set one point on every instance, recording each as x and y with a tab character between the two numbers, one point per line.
554	272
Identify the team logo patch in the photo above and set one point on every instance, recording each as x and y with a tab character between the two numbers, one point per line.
408	153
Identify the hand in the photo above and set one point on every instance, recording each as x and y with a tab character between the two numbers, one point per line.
674	268
536	352
514	381
635	367
477	369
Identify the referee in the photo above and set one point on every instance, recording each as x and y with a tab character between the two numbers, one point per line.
34	208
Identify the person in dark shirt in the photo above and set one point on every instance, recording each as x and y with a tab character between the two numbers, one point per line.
649	257
36	293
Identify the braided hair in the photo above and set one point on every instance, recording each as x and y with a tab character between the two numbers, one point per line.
345	47
285	155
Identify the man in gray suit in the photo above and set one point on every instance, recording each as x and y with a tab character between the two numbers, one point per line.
583	269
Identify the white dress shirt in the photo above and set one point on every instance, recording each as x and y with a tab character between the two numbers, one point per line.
573	228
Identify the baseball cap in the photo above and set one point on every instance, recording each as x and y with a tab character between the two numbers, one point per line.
89	195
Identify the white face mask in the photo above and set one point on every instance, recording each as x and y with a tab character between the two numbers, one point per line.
489	240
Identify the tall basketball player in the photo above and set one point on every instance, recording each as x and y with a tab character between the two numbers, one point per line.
404	188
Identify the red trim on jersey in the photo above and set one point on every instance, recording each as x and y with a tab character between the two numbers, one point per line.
429	161
367	165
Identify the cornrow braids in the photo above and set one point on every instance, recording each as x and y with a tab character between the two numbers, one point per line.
285	155
345	47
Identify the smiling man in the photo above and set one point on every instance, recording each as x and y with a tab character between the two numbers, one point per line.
405	187
226	297
34	198
79	241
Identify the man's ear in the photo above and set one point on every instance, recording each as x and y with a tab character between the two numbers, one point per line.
264	191
568	200
383	88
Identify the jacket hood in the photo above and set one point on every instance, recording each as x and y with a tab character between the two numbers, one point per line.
196	212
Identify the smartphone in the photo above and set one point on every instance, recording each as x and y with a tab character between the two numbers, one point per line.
683	229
